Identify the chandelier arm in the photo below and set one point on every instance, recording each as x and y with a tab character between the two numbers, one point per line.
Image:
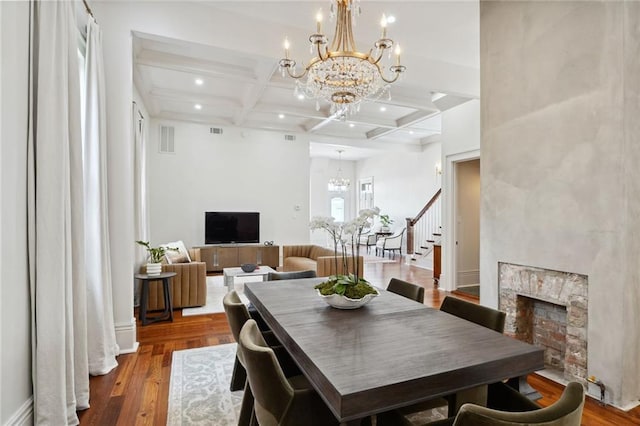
375	62
292	75
389	80
326	55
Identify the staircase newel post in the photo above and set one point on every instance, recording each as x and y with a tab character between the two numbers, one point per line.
409	235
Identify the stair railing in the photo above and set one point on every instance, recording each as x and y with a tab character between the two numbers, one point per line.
422	228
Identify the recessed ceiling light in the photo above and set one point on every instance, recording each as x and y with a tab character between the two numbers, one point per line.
280	115
199	81
197	106
351	125
391	19
410	132
383	109
301	96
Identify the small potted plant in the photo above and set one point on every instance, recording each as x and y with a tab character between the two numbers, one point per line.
154	265
385	221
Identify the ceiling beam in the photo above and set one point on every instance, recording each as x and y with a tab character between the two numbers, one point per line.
194	66
254	93
403	122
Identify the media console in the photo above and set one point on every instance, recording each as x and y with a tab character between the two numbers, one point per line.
220	256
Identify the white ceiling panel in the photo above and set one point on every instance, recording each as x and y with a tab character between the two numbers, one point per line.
241	88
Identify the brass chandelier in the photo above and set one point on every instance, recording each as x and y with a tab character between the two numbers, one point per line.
340	74
339	183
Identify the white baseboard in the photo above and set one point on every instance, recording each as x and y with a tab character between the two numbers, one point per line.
24	415
470	277
126	337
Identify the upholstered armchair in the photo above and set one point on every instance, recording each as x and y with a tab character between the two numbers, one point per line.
391	243
189	286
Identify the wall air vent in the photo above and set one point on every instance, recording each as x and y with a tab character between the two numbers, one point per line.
215	130
289	137
167	145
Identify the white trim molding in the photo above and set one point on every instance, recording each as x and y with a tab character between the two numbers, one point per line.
470	277
448	217
126	337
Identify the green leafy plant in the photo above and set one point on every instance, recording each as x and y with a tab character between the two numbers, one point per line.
353	285
385	220
155	253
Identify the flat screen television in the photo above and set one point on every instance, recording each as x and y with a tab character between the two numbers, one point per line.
231	227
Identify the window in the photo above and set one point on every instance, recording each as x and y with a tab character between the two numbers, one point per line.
365	193
337	209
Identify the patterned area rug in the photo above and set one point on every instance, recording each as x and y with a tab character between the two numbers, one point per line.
199	390
199	387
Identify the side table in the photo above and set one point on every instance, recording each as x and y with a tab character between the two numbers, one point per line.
145	279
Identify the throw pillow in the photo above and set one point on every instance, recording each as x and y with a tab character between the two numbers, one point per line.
180	256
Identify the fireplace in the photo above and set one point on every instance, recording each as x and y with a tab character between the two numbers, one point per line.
550	309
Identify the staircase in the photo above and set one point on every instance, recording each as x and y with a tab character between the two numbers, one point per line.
424	230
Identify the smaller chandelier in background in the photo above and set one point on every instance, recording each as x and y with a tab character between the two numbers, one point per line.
339	183
340	74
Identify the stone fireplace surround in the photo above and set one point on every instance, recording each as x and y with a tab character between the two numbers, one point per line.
519	284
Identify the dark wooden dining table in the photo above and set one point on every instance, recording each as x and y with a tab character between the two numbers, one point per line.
390	353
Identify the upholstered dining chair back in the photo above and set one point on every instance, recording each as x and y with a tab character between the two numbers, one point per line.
279	400
237	313
271	390
482	315
566	411
406	289
294	275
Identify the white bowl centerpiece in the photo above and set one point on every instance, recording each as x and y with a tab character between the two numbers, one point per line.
347	290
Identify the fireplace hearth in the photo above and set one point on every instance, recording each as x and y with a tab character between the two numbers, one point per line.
550	309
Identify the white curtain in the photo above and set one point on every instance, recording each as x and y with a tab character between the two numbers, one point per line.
102	346
56	219
68	232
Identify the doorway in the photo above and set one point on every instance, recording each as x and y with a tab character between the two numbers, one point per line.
467	227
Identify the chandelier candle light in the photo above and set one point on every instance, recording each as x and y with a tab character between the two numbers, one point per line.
340	74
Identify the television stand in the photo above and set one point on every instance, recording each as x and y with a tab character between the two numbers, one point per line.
220	256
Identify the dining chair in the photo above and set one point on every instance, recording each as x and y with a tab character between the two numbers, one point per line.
481	315
406	289
278	400
391	244
368	240
294	275
566	411
237	315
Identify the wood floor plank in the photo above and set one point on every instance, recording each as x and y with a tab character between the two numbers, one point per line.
137	391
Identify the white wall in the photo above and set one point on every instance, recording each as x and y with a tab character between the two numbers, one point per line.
560	182
15	320
460	141
240	170
402	182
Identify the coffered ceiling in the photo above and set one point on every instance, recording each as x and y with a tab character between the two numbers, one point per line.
220	84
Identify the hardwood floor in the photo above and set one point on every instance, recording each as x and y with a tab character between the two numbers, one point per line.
137	391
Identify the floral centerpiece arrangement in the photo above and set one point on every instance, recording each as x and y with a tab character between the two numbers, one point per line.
349	285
